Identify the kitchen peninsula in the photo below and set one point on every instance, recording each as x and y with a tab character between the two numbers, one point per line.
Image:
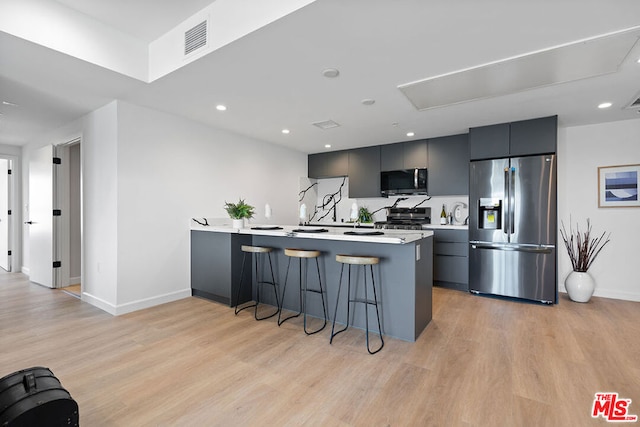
403	279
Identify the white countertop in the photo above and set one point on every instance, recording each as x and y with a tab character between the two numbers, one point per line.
332	233
445	227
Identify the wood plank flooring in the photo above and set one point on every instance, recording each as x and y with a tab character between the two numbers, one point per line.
481	362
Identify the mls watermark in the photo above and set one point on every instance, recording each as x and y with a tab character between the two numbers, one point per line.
612	408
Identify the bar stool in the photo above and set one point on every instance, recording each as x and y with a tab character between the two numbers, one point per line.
364	261
306	254
259	251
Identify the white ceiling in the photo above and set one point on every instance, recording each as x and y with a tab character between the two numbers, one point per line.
272	78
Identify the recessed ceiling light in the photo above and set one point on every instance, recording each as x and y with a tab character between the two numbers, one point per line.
9	103
605	105
327	145
221	107
286	131
331	73
368	101
410	134
638	61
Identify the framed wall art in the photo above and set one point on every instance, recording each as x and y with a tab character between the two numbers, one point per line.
618	186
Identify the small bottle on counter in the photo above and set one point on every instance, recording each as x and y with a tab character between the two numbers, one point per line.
443	216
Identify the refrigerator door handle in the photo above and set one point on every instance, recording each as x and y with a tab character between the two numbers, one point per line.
540	249
507	205
512	201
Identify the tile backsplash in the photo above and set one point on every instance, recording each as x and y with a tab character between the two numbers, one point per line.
320	191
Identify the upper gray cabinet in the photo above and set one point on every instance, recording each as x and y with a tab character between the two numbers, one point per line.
523	138
404	155
364	172
537	136
328	165
448	172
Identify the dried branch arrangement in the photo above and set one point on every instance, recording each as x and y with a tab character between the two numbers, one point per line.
581	247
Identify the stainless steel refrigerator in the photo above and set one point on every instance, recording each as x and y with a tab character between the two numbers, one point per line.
512	227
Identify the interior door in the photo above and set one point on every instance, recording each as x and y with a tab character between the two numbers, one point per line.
4	214
41	182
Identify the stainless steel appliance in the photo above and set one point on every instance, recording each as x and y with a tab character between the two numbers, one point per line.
512	227
405	219
406	181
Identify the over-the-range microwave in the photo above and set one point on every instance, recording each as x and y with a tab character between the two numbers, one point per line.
405	181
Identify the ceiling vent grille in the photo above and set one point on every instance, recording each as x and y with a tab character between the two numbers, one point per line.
635	102
195	38
327	124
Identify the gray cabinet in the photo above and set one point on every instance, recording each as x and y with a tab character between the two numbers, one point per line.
404	155
451	259
448	172
522	138
364	172
328	165
537	136
216	263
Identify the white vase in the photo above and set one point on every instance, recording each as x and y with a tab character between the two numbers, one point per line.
580	286
237	223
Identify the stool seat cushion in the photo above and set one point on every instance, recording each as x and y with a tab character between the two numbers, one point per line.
357	259
255	249
301	253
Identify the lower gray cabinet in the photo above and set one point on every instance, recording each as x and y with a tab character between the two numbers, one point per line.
216	263
451	259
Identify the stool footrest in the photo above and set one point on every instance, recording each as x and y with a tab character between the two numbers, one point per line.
364	301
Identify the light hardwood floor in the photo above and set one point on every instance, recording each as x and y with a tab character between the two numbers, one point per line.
481	362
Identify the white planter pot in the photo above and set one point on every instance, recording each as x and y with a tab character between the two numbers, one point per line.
237	223
580	286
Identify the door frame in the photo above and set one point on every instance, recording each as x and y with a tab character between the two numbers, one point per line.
13	242
62	227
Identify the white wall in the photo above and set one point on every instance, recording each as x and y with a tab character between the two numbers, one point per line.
581	150
170	170
145	174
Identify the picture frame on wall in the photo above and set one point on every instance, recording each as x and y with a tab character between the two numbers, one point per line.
618	186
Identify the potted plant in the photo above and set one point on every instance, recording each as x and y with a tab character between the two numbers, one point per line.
583	250
364	215
238	212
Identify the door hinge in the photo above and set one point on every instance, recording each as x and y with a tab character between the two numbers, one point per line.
9	212
57	264
57	161
9	171
9	253
57	212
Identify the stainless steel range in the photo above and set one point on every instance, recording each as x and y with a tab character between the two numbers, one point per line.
405	219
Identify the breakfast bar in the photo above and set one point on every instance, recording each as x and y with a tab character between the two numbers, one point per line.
403	277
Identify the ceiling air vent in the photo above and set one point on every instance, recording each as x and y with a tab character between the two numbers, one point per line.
195	38
327	124
635	102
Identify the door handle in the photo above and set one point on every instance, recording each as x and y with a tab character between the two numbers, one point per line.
29	222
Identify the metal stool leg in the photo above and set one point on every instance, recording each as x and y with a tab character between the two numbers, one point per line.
335	313
375	302
321	292
284	290
238	310
262	282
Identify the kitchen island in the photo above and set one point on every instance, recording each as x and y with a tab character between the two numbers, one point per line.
403	279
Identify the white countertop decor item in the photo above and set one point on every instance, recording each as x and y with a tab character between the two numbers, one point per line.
303	213
267	211
354	212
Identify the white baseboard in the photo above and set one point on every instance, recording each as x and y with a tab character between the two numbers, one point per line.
74	280
135	305
25	270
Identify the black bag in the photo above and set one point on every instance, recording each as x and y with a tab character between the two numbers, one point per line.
34	397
